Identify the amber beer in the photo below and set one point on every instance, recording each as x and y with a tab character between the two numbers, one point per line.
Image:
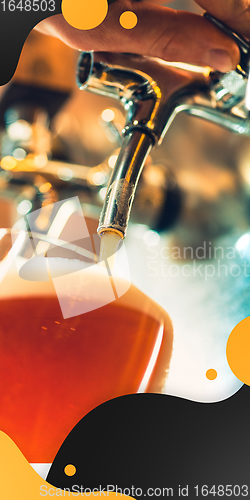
55	370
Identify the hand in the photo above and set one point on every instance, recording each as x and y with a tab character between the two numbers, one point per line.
235	13
161	32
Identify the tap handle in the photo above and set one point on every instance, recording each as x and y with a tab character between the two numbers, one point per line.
244	47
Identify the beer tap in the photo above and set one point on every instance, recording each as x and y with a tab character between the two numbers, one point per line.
153	92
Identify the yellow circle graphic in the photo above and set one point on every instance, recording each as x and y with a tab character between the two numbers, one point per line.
211	374
84	14
70	470
238	351
128	20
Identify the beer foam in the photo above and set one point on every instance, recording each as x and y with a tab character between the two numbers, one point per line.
109	246
68	276
20	278
43	276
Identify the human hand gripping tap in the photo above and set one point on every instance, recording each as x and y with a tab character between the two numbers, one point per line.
163	32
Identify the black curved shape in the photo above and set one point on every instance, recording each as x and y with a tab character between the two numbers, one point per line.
157	441
14	29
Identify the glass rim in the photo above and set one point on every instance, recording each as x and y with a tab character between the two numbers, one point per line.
55	241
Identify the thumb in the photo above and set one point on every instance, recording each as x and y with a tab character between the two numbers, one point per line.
160	31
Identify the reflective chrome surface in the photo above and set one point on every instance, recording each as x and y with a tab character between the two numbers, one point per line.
153	93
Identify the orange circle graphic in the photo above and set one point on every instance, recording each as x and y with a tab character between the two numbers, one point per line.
128	20
211	374
238	351
84	14
70	470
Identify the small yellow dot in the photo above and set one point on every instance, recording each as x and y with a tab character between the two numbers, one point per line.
44	328
73	329
128	20
57	322
211	374
70	470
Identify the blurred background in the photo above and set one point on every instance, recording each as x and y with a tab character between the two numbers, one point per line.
57	142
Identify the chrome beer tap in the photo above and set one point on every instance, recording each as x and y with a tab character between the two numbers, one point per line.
153	92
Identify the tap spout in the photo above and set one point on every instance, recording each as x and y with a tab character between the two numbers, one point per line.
123	181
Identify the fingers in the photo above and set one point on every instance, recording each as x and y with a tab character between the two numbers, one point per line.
182	36
235	13
160	32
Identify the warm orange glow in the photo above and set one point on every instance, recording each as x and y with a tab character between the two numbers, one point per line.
45	187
